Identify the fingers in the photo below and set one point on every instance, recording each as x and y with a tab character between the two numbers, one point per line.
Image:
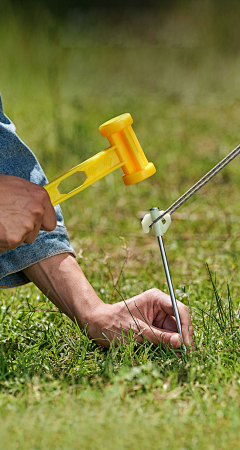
169	323
186	322
48	219
157	336
43	216
40	211
31	236
157	308
163	302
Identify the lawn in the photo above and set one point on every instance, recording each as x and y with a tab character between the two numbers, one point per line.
177	72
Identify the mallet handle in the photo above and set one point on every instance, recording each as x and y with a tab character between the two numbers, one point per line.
94	168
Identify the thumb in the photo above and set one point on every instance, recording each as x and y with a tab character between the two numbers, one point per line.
49	220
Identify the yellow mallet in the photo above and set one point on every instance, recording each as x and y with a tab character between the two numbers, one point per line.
124	151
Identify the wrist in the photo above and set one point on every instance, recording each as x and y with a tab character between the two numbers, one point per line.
97	319
88	309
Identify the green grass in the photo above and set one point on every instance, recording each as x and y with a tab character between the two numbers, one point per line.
177	73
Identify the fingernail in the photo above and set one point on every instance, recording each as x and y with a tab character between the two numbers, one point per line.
175	340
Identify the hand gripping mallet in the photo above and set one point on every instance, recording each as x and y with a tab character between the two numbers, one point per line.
124	151
159	228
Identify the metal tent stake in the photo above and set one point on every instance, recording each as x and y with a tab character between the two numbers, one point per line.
158	231
170	287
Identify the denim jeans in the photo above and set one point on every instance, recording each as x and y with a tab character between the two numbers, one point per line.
17	159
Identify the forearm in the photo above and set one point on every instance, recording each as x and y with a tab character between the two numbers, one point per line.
62	280
149	314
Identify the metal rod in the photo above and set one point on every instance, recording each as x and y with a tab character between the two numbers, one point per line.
170	287
200	183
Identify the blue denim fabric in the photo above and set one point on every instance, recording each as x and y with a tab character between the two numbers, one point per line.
17	159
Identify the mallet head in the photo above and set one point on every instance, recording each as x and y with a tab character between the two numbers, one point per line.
121	135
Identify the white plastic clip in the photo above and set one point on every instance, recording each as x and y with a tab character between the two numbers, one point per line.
160	227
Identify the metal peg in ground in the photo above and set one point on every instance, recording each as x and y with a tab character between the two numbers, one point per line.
159	230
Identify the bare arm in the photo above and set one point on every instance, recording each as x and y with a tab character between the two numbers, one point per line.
149	314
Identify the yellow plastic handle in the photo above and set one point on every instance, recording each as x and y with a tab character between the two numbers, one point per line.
94	168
